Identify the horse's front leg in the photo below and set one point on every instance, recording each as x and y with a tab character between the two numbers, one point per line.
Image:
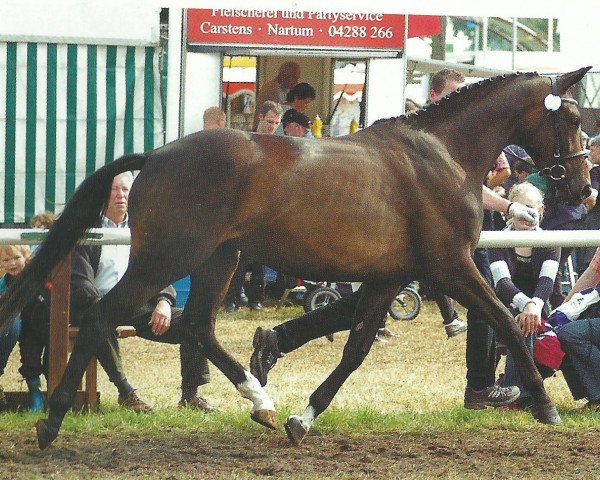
88	339
371	308
469	288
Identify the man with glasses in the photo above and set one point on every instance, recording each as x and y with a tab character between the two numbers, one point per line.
269	117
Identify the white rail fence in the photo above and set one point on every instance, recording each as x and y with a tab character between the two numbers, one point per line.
543	238
540	238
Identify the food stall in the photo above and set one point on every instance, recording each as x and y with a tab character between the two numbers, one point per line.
354	57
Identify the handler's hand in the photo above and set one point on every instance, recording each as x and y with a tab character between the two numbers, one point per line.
161	318
525	213
529	320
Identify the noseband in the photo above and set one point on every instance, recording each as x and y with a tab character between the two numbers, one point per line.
553	102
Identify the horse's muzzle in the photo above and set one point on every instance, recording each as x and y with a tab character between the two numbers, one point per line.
567	198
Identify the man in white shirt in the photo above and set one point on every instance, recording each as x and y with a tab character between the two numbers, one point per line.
95	270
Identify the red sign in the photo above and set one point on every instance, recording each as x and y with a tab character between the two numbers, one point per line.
315	29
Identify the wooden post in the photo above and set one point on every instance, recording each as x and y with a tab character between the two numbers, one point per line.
59	323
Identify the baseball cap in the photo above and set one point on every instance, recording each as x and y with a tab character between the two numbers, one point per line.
518	153
294	116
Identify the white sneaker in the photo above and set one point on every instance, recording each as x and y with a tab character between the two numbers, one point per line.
386	332
455	327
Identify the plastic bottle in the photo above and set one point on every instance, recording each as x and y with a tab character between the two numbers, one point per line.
317	127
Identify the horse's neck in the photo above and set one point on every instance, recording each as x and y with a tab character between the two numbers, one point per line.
476	132
474	140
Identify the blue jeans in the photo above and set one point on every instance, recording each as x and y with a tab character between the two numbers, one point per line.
581	342
511	374
8	342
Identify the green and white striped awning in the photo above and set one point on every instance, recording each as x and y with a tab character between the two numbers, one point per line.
66	110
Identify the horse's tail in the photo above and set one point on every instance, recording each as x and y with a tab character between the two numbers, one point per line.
82	212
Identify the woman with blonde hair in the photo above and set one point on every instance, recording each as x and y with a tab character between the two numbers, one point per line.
523	280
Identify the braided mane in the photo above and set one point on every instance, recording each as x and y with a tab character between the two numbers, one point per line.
434	108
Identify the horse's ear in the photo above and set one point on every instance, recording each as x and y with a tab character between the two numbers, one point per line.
571	78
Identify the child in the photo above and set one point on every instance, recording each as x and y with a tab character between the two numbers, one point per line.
523	280
12	260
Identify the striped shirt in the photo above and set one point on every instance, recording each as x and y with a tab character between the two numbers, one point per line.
520	280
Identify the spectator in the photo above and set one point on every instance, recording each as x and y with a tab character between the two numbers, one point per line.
499	174
410	106
214	117
580	338
592	221
276	89
42	220
495	180
558	216
444	83
35	331
523	280
295	123
33	346
298	98
481	390
520	163
12	260
269	117
95	270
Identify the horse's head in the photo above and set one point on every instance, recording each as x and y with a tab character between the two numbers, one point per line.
552	136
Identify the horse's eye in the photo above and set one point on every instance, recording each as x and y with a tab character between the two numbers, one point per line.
575	121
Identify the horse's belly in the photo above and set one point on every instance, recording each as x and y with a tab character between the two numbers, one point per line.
343	251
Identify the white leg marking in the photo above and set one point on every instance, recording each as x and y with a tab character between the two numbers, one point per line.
307	418
251	389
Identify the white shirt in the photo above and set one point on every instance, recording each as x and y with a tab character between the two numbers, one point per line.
113	260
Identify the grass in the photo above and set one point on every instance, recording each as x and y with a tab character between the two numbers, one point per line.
411	384
113	420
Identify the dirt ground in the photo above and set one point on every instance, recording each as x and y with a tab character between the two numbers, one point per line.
398	376
542	453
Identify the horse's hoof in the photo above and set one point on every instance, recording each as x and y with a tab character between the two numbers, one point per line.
546	413
295	430
267	418
45	433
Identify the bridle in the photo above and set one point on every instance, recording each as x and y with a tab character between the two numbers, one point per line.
553	102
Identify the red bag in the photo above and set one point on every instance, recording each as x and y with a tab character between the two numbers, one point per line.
547	350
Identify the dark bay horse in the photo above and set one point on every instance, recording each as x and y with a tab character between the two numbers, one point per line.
398	201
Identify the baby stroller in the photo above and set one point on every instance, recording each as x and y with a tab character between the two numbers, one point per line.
308	294
322	293
406	305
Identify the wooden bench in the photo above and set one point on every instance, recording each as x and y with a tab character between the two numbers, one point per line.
90	394
62	337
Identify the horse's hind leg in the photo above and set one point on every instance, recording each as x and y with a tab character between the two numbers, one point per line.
470	289
208	287
371	308
120	303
